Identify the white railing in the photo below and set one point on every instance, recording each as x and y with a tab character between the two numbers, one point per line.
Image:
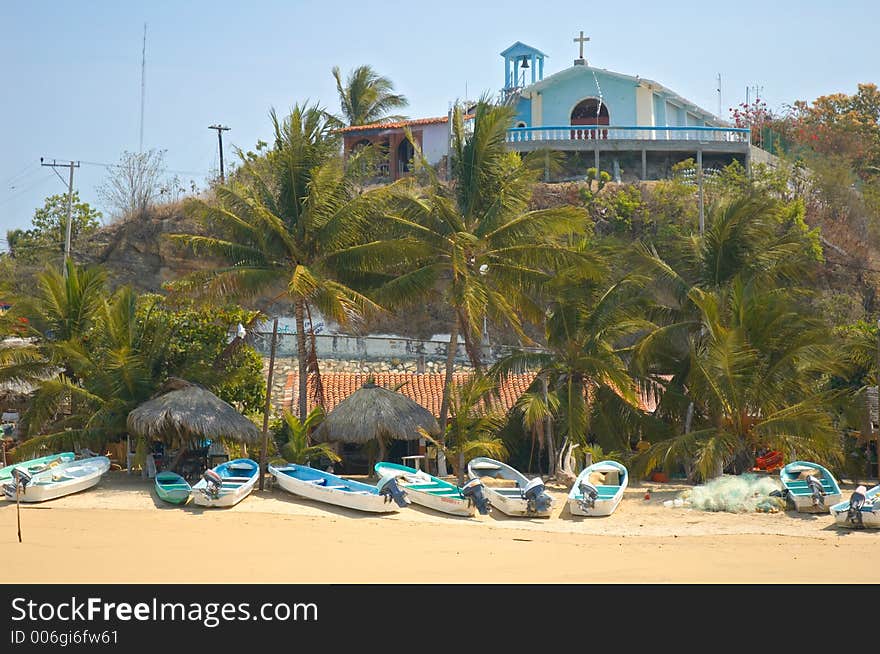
617	133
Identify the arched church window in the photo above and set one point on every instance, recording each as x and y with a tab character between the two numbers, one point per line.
590	112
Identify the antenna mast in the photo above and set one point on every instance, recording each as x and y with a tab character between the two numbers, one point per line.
143	85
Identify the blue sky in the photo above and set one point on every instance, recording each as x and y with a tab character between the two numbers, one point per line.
72	69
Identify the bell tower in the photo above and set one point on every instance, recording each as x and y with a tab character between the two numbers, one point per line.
523	65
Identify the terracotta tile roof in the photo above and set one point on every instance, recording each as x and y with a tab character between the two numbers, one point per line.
399	124
424	388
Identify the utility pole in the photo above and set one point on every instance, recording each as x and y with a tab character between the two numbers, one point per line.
70	165
220	129
143	86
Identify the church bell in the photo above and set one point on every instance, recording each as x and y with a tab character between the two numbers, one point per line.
525	62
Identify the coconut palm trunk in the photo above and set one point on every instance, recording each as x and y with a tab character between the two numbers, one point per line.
302	363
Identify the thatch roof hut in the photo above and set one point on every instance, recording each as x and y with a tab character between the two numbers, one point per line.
376	413
185	412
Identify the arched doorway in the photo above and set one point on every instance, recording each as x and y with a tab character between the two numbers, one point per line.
589	112
405	152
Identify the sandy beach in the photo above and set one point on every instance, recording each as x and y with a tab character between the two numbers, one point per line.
119	532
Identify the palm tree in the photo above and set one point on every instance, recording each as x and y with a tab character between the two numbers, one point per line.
484	253
297	447
119	366
755	377
366	97
474	425
294	222
63	311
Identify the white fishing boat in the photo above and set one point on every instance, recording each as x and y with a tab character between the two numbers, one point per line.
598	489
33	466
226	484
435	493
811	488
860	511
384	497
524	497
57	481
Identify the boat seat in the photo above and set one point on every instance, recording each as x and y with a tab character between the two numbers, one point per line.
337	487
516	492
316	482
237	479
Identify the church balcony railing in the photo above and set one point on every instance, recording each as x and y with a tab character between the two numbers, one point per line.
570	133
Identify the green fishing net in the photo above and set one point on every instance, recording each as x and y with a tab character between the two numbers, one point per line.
735	494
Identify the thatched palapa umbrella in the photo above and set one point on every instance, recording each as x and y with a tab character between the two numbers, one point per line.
376	413
185	412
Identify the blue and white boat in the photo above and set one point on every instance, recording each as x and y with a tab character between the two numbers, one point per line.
386	496
811	488
226	484
57	481
860	511
598	489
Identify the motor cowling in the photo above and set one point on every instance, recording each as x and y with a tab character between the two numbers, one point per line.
213	484
20	480
392	492
816	490
538	500
856	502
590	494
474	492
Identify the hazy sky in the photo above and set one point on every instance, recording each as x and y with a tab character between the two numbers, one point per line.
72	69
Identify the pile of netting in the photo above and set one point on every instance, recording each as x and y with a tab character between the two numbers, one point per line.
735	494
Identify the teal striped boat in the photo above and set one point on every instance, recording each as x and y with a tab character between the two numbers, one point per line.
811	488
172	488
34	466
435	493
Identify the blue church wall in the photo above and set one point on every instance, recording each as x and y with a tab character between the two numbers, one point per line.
524	112
618	95
659	110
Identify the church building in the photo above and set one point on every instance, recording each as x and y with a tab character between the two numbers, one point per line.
615	121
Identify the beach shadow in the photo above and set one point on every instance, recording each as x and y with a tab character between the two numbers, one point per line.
341	511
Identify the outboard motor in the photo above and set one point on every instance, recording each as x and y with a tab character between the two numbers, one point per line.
818	493
473	491
538	500
213	484
390	489
20	480
590	494
856	502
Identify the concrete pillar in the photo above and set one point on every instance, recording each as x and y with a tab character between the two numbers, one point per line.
541	68
644	165
700	189
507	83
597	158
534	66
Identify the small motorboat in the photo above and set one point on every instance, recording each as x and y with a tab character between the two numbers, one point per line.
860	511
435	493
810	487
57	481
386	496
598	489
172	488
226	484
523	497
34	466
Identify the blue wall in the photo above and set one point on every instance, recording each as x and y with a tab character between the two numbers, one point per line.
618	95
524	112
659	110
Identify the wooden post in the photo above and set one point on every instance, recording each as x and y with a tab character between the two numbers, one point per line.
268	401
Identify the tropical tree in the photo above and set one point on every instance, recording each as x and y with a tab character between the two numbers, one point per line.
45	240
293	223
701	356
294	441
484	253
110	373
366	97
473	426
62	312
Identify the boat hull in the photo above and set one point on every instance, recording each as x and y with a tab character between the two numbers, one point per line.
799	495
513	506
870	511
43	487
358	500
609	495
450	502
172	489
508	499
233	490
